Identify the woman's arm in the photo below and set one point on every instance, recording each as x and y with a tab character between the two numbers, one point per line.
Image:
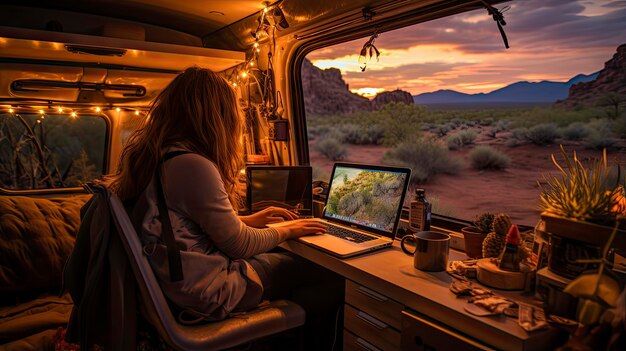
194	187
267	216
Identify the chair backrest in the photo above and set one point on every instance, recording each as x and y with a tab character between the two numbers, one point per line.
152	300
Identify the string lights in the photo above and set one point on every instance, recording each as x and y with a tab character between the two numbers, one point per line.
71	112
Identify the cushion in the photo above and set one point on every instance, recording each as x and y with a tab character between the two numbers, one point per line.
32	325
36	237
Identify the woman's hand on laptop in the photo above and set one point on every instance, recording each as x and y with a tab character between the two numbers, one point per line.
267	216
296	229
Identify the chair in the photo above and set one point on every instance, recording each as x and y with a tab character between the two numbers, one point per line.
279	316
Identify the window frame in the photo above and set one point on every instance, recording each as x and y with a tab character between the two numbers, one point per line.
361	31
71	190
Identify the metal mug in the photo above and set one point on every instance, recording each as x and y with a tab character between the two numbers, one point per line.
431	250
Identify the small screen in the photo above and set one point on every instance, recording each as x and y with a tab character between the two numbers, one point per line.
367	197
286	187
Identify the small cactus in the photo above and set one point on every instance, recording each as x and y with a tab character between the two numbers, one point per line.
501	224
495	241
484	222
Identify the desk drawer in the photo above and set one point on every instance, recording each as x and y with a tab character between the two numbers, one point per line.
374	331
374	304
421	334
352	342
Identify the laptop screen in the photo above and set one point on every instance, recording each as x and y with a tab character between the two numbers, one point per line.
282	186
367	196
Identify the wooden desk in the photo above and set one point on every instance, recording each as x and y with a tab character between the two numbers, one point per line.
390	272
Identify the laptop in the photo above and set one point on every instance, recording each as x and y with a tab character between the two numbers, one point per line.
288	187
362	209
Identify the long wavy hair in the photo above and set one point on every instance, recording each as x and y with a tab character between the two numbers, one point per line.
198	110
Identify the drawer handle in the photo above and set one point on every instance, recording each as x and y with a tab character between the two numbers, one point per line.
366	345
372	294
371	321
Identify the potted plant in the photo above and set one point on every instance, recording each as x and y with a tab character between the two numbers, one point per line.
474	235
580	208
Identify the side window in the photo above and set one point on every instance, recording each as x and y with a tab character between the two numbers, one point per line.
50	151
476	123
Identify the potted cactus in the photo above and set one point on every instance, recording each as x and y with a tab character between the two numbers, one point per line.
580	208
496	239
474	235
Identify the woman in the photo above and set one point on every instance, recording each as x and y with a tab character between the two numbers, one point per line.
198	113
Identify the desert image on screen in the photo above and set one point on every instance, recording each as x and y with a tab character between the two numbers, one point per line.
366	197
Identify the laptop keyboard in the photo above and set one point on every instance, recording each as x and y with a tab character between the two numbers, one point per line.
348	234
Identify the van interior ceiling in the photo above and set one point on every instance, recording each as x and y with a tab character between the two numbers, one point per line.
446	185
92	53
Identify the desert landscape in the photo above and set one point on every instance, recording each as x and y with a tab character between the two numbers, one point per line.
514	190
481	155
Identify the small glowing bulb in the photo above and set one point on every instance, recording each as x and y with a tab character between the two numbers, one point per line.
41	112
60	109
42	116
10	110
251	63
244	74
38	121
136	113
265	10
234	84
73	114
256	44
118	109
98	109
258	50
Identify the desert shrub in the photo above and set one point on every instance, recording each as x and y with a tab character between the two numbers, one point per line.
599	140
619	126
426	157
575	131
519	134
486	157
375	134
502	125
400	122
351	134
543	134
457	122
462	138
486	122
331	147
531	117
315	131
442	130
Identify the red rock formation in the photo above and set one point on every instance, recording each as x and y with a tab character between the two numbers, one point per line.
326	93
392	96
610	80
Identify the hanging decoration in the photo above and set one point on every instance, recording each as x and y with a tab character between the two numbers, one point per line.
498	17
368	51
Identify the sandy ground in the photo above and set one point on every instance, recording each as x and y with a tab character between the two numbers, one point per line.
471	192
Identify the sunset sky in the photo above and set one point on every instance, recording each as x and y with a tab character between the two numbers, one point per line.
550	40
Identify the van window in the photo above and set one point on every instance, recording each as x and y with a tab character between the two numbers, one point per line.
46	151
475	122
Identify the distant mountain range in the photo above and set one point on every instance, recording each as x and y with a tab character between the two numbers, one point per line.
519	92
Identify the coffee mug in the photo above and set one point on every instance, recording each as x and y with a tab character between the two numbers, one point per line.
431	250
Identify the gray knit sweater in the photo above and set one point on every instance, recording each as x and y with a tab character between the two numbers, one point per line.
204	221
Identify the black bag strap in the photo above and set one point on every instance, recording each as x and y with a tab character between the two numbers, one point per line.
173	252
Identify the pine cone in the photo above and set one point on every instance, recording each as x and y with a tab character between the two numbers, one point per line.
493	245
501	224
